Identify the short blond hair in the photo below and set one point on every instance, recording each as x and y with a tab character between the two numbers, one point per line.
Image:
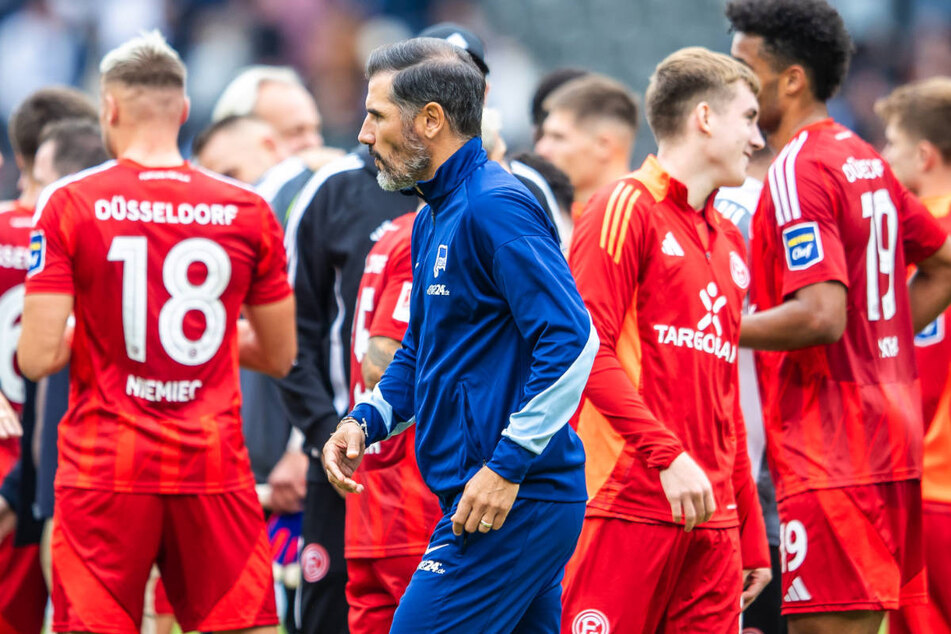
687	77
922	110
145	60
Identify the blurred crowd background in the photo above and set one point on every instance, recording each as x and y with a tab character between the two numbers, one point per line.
45	42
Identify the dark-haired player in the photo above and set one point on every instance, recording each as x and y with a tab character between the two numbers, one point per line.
831	239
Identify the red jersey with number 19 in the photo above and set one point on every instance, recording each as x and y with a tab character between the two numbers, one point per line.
396	512
848	413
159	262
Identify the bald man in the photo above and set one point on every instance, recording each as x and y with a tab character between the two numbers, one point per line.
239	147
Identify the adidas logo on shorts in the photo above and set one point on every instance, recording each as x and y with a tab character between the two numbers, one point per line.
797	592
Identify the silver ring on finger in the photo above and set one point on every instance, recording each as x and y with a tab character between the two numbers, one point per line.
485	524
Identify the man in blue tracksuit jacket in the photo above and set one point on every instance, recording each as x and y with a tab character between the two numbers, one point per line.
496	355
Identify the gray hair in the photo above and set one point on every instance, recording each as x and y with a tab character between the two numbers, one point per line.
240	97
430	70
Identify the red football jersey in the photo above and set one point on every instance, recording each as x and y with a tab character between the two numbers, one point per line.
665	285
396	512
15	223
159	262
848	413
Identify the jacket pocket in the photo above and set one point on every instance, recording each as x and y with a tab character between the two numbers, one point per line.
472	454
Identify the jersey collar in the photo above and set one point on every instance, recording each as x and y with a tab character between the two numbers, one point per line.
452	173
662	185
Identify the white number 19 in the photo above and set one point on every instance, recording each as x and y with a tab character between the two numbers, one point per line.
877	206
205	298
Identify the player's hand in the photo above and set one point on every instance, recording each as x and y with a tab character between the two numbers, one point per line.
8	519
288	480
485	503
754	580
689	492
342	455
9	421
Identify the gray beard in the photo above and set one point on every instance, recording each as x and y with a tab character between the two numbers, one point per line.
413	168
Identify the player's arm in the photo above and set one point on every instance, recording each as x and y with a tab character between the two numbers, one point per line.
813	315
926	245
929	289
45	341
379	355
386	411
267	337
9	421
815	276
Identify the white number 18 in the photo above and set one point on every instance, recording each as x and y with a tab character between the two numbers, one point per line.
205	298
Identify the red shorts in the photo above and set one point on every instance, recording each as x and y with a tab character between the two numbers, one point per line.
639	577
212	551
935	616
22	589
852	548
374	589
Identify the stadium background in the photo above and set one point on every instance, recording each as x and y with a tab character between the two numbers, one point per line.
46	42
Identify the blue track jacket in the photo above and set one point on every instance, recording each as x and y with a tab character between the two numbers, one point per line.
499	344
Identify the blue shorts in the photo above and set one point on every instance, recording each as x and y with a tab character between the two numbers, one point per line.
506	580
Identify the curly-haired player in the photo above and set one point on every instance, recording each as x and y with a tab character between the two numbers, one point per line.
832	236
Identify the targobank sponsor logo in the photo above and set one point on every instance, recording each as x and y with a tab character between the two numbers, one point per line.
708	335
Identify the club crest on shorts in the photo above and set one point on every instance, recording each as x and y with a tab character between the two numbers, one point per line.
442	255
590	622
37	252
314	562
803	246
739	271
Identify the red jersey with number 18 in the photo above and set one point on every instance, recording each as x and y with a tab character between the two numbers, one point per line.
159	262
396	512
848	413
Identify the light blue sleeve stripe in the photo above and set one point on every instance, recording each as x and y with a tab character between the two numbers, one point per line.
548	411
376	400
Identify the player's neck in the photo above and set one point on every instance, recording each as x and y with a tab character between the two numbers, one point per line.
935	184
686	164
150	148
795	119
611	173
30	193
29	190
